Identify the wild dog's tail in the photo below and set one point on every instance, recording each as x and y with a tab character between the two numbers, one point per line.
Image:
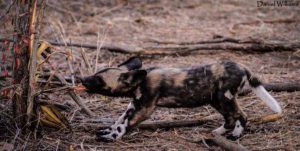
262	93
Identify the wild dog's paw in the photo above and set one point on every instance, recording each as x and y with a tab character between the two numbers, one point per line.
106	135
220	131
237	131
104	132
232	137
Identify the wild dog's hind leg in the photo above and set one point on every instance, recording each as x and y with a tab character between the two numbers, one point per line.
235	119
137	111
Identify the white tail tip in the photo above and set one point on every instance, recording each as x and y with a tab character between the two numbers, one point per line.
261	92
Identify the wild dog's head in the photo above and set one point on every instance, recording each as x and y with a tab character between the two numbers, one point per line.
118	81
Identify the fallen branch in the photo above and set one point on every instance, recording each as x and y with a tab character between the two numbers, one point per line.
231	146
191	123
257	47
109	47
215	44
266	119
182	123
216	39
276	87
167	124
225	143
214	139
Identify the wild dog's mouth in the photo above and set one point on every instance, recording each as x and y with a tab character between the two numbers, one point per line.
84	85
80	88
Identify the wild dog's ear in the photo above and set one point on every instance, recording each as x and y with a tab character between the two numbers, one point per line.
134	77
132	63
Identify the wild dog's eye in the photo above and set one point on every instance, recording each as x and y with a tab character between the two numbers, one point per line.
123	77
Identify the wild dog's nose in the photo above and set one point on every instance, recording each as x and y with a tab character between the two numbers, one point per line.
85	81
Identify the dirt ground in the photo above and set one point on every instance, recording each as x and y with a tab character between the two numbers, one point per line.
138	23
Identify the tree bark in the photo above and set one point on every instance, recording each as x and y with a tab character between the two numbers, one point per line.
21	59
24	64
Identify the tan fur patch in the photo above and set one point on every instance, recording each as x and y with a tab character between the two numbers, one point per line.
179	79
123	68
170	75
154	79
217	70
111	77
175	75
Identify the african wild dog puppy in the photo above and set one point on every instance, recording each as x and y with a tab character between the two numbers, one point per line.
215	84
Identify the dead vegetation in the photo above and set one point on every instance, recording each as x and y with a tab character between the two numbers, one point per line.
169	33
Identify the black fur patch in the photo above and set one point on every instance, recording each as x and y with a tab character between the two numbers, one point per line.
255	82
114	135
119	129
132	63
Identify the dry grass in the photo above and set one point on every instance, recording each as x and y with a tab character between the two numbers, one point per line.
136	24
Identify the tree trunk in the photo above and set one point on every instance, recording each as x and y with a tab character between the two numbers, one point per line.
21	59
23	51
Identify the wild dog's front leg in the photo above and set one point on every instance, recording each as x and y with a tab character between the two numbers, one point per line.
137	111
119	128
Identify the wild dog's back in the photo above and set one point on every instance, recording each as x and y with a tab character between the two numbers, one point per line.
194	86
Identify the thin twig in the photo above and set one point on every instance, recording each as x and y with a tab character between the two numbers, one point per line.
86	61
99	48
70	60
76	98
